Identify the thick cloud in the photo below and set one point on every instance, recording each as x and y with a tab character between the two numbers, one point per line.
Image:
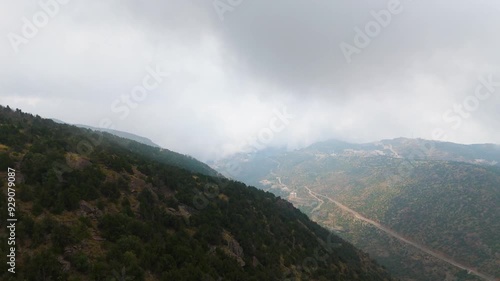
412	72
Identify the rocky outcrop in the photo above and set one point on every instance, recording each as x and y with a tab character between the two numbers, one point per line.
87	210
233	248
66	265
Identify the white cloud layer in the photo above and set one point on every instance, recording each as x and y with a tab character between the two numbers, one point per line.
417	77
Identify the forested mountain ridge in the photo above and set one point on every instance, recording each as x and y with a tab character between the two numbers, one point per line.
442	195
122	134
405	148
132	142
113	209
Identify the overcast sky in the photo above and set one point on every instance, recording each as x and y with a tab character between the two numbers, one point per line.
205	77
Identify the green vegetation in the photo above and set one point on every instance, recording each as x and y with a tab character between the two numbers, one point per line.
99	207
438	201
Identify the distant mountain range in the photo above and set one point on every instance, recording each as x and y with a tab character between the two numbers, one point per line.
92	206
121	134
442	198
387	182
153	150
488	154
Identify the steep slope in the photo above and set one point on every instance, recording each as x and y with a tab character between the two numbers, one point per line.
122	134
427	192
117	133
154	151
114	211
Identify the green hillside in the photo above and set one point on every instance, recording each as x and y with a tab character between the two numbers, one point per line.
122	134
448	206
99	207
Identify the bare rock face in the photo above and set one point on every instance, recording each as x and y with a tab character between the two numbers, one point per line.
233	248
77	162
255	261
87	210
66	266
70	250
185	211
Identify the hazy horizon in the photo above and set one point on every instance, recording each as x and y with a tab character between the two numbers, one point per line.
211	78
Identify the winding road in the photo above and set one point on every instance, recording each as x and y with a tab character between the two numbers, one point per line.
396	235
315	197
389	231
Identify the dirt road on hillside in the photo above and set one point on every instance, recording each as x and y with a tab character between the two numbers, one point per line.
401	238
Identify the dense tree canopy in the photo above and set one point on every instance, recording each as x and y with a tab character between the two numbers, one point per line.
111	209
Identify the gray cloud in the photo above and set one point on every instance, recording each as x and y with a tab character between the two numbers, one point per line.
227	77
